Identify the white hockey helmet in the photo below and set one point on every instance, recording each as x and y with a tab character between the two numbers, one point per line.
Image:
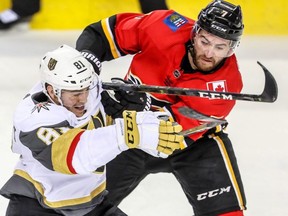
66	68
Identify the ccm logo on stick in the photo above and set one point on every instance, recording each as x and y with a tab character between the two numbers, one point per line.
215	95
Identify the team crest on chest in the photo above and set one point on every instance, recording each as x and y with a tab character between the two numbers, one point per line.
219	86
175	21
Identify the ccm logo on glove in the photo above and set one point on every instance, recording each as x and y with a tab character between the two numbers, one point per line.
132	133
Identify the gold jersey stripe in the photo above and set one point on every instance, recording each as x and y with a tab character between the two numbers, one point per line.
230	170
109	36
60	150
61	203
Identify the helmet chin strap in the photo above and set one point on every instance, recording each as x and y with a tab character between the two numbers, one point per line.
57	92
192	53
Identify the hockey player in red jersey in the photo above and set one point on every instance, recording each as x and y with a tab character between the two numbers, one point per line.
61	134
175	51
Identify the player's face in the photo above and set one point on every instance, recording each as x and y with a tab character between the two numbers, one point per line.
75	101
209	50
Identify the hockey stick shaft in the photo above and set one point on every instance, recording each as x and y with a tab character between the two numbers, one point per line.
200	128
269	94
210	122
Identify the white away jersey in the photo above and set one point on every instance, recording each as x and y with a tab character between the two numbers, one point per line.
62	157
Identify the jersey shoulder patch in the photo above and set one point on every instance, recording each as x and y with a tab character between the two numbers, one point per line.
41	105
174	21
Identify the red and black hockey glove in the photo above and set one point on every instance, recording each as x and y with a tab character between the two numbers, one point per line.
114	105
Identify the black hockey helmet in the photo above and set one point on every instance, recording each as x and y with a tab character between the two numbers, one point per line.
222	19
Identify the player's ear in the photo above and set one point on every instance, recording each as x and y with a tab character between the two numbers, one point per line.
49	89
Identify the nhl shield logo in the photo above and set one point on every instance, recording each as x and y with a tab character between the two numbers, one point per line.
176	73
52	64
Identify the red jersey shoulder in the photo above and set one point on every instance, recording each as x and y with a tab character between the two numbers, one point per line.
158	19
160	29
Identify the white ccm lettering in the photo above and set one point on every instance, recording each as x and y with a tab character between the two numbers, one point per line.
215	96
213	193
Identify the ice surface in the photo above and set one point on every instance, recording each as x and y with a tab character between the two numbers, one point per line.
258	130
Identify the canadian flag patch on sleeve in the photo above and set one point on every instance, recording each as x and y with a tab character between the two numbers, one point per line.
219	86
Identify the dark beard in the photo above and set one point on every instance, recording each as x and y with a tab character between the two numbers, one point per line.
194	54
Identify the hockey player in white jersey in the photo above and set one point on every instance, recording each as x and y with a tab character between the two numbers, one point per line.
64	141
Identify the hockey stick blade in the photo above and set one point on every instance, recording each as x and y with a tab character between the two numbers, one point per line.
269	93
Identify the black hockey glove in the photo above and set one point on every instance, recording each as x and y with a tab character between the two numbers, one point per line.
114	105
92	58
